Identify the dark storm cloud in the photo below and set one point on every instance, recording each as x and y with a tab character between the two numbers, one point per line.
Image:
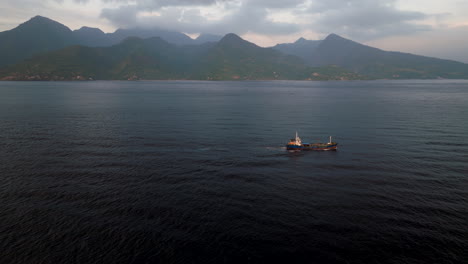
359	19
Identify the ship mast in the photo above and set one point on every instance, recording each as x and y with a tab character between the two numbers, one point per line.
298	139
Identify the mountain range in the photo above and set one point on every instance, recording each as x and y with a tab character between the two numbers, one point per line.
43	49
231	58
41	34
373	62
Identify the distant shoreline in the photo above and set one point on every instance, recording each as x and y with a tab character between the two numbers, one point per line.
231	80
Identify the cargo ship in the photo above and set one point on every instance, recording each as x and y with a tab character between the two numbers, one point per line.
296	144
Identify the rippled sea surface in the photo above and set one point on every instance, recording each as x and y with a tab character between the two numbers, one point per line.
197	172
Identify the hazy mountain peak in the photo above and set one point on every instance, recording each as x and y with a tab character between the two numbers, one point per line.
38	34
174	37
43	24
90	30
231	37
39	18
234	41
342	44
207	38
300	40
334	36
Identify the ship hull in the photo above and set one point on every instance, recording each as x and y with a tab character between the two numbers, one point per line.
315	146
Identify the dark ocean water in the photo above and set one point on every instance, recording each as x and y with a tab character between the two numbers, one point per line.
196	172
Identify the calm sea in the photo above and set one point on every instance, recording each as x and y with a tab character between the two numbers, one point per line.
197	172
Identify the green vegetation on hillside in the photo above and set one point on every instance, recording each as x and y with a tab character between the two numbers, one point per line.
43	49
232	58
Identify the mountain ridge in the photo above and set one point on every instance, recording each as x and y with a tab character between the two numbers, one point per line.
380	64
206	57
232	58
373	62
41	34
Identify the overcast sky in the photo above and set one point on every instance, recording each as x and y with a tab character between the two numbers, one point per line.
425	27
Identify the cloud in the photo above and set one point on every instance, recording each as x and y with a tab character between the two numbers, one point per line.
151	5
357	19
274	4
362	20
74	1
122	16
238	17
365	19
